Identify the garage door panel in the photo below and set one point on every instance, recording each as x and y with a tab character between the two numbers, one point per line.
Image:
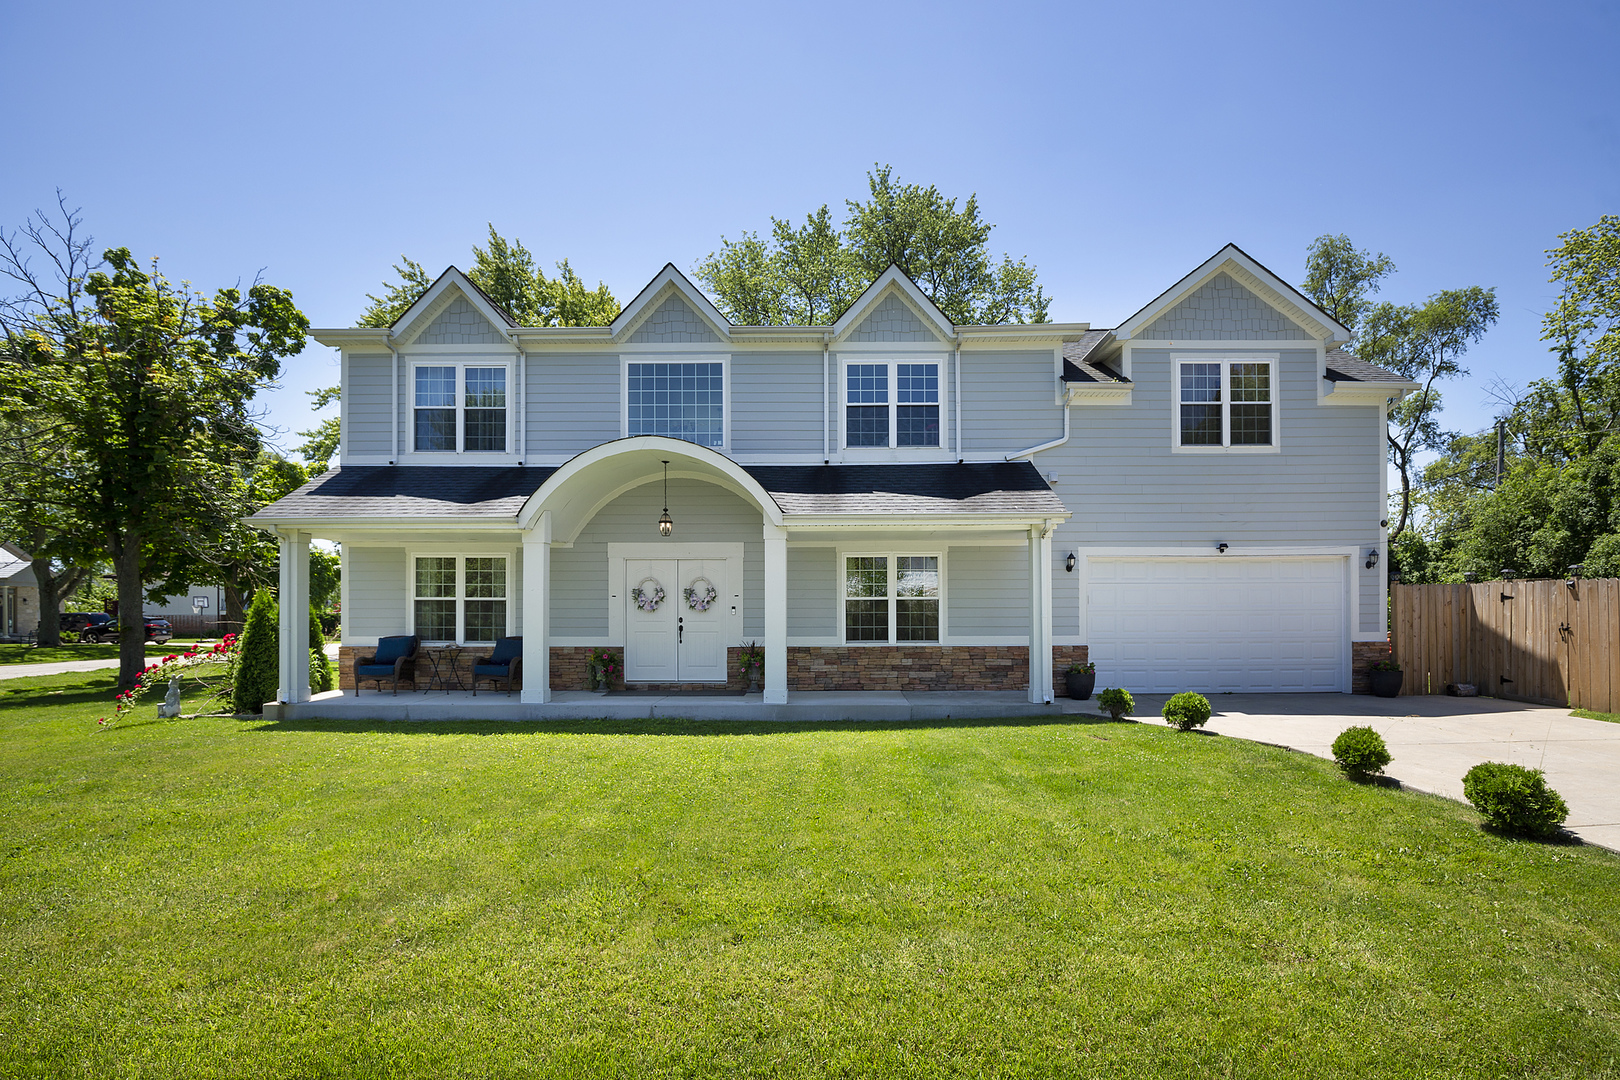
1227	625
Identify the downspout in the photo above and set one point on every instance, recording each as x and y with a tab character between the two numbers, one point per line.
393	428
826	398
956	396
1046	445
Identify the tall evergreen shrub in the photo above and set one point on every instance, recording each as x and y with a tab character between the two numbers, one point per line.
257	667
322	675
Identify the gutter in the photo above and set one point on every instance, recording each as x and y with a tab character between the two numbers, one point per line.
1045	445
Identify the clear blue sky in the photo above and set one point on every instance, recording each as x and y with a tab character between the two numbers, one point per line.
1115	145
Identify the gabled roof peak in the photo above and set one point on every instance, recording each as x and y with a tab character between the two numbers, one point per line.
1250	273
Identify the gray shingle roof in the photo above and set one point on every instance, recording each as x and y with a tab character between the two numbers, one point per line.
1344	367
1077	365
420	491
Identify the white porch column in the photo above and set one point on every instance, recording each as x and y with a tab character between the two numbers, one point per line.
776	680
293	603
537	611
1040	614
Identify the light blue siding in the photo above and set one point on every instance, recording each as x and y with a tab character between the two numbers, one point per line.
1221	309
367	397
987	591
776	403
460	324
812	592
674	321
703	514
572	403
376	592
1009	402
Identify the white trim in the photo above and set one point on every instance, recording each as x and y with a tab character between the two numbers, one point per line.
1275	292
894	278
892	452
421	314
1274	371
664	356
652	295
461	555
841	571
343	406
459	456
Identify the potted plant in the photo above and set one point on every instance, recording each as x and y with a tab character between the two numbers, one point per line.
1386	677
602	666
752	662
1080	679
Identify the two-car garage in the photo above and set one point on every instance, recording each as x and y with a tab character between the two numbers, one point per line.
1219	623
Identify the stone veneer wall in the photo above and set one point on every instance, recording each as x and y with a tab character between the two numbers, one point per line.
417	673
1362	655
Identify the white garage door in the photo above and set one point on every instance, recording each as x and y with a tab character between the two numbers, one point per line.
1218	624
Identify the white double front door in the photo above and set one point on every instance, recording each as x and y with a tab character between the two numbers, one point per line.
675	642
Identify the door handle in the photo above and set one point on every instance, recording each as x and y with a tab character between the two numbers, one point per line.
680	627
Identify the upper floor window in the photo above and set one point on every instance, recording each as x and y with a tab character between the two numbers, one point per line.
460	408
1225	403
679	401
891	403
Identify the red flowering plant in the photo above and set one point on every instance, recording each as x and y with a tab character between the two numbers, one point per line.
751	658
602	666
219	661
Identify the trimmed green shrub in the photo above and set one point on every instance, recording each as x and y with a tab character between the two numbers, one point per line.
1514	799
1117	702
1187	710
1360	751
257	676
322	675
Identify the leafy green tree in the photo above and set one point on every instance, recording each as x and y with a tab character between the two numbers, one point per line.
808	275
507	273
322	675
146	386
1584	326
323	439
1339	277
325	578
257	674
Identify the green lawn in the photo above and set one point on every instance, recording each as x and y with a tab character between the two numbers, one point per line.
214	897
1608	717
38	654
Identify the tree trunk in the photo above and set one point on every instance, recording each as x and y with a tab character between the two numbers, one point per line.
50	618
131	610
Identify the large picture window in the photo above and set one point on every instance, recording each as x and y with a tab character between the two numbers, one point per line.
891	598
460	408
891	404
679	401
1225	403
460	598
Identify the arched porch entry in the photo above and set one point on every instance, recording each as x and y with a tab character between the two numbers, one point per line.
561	513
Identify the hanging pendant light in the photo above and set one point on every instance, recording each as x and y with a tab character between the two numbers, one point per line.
666	524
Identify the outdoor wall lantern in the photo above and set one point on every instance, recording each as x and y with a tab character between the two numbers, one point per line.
1221	547
1068	564
1574	574
666	524
1372	558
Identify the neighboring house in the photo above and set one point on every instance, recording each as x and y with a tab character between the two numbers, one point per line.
19	594
1197	496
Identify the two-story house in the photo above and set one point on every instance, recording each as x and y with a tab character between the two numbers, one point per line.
1196	497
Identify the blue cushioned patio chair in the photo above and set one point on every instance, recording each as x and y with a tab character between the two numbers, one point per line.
393	656
506	662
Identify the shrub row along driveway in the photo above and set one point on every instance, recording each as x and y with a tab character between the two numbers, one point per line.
1435	740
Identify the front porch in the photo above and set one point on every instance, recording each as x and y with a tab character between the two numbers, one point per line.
817	706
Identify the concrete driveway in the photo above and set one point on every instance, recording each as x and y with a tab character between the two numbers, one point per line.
1434	740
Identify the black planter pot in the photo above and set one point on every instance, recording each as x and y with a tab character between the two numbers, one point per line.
1386	683
1079	686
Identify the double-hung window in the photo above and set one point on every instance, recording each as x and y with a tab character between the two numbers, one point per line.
891	598
891	404
1226	403
460	598
460	408
677	400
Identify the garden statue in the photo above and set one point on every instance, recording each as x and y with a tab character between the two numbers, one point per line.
171	701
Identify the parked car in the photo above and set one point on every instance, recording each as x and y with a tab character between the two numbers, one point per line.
157	630
73	622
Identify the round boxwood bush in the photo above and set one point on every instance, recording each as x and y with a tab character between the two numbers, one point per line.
1360	751
1514	799
1187	710
1117	702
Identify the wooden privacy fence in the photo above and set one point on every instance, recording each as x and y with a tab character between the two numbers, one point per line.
1531	640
